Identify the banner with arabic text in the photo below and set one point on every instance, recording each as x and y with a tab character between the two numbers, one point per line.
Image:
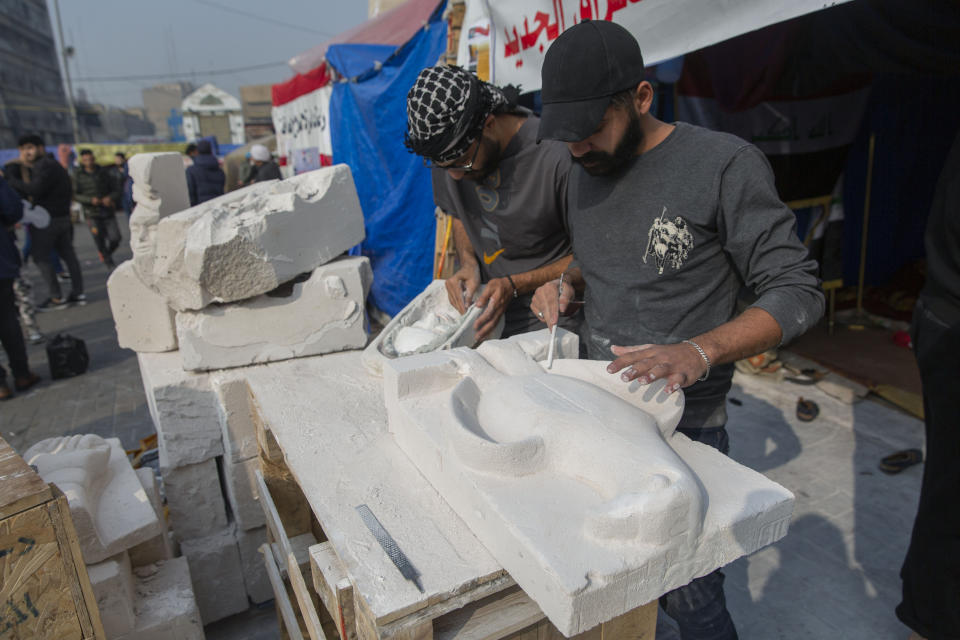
523	29
303	130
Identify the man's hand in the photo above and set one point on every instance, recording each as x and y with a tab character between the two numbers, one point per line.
494	300
462	285
679	363
549	302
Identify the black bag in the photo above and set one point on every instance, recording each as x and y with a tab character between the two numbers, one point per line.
67	356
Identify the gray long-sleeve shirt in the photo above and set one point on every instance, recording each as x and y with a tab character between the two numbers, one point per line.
666	246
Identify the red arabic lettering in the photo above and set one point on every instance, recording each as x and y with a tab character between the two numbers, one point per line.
511	47
529	39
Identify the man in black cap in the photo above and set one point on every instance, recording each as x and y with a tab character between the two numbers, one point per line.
668	222
506	193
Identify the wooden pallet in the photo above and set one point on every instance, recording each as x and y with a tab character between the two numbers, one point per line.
45	592
318	461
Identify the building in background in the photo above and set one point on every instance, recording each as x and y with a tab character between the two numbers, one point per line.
211	111
376	7
257	105
32	99
163	104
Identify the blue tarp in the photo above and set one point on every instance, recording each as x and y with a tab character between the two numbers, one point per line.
369	120
352	60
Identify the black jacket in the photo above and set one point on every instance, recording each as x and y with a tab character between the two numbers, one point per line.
11	210
96	184
205	179
266	171
49	187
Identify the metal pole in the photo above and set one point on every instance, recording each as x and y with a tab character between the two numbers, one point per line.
866	222
66	75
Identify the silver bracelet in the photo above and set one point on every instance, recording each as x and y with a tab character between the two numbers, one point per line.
703	354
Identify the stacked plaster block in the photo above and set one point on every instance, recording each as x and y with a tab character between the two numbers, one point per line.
158	548
165	606
238	417
112	582
320	314
248	242
241	485
184	410
196	502
143	320
251	562
217	575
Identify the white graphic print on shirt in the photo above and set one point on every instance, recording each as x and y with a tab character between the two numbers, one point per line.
669	242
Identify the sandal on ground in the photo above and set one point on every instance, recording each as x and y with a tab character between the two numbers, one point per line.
807	410
897	462
5	393
24	383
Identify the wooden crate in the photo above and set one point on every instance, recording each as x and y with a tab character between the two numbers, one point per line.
45	592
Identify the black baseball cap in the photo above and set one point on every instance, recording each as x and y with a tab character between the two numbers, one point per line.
582	70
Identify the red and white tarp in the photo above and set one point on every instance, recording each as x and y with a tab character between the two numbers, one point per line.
303	130
522	30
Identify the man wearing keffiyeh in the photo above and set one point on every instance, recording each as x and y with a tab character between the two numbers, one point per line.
509	214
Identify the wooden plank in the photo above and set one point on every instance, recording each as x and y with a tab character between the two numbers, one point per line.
274	523
38	595
300	547
333	585
493	617
288	498
307	608
20	486
81	589
291	627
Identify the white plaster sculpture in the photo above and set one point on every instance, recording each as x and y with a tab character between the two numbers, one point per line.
572	479
250	241
108	506
321	314
160	190
143	320
428	323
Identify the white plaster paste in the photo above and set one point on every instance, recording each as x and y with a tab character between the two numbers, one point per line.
184	410
324	313
216	573
165	605
159	189
574	480
428	323
250	241
108	506
143	320
112	582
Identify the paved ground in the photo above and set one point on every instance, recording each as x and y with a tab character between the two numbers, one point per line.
833	576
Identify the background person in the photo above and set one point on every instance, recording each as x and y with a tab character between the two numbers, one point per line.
205	178
98	192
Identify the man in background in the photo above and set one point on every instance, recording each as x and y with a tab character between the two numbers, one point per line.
98	192
205	178
264	168
47	184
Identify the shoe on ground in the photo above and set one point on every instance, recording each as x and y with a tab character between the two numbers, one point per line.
22	384
36	337
78	299
52	304
63	276
5	392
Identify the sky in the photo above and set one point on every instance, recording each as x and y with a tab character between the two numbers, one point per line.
186	38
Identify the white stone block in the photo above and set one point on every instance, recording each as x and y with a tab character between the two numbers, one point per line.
241	484
159	189
574	480
250	241
109	508
321	314
238	417
217	576
112	582
428	323
157	548
165	604
196	503
254	573
184	410
144	321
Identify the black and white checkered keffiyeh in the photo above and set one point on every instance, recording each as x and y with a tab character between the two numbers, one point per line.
446	108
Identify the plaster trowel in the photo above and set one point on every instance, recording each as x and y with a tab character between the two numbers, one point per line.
389	546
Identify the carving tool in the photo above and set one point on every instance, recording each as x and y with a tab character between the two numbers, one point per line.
389	546
553	329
